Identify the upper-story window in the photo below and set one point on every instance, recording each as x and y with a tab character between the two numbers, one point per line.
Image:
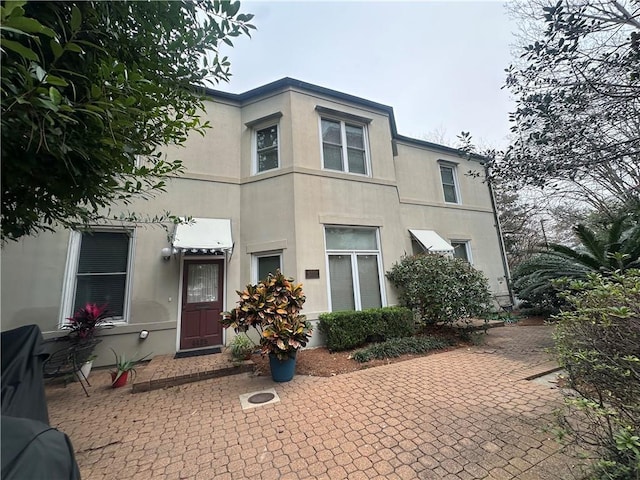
450	183
267	157
344	146
266	142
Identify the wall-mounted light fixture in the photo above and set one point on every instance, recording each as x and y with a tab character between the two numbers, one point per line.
166	253
144	334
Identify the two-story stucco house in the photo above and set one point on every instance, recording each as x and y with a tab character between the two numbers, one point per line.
292	175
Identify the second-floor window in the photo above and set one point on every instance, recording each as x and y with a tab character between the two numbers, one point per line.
344	146
267	149
449	183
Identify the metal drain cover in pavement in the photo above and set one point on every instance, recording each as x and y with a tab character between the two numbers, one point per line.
261	397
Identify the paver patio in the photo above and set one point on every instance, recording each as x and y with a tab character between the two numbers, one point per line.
463	414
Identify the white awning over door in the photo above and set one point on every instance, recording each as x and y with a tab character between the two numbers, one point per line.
431	241
203	235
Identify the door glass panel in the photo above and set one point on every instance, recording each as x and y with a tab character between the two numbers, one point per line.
202	283
369	281
341	281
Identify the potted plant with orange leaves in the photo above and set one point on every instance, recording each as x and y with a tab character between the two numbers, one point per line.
273	308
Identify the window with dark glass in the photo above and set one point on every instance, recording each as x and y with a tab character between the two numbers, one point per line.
267	264
449	183
102	272
461	250
267	149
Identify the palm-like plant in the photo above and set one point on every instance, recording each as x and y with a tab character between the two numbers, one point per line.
616	248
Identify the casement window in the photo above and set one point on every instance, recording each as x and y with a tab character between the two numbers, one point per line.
99	271
354	263
462	249
266	149
344	146
266	263
450	183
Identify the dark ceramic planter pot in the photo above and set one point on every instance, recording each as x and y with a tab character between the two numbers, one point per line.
282	370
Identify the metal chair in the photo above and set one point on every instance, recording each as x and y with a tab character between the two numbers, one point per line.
68	360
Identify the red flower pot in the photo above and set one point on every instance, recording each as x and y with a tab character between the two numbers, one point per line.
121	381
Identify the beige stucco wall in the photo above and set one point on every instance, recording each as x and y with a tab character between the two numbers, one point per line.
281	210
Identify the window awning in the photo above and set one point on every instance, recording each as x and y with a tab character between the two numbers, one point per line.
203	235
431	241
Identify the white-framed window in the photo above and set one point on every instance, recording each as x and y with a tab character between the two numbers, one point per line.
266	148
265	263
462	249
99	270
450	183
354	265
344	146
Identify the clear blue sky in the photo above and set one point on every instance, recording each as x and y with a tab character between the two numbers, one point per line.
440	65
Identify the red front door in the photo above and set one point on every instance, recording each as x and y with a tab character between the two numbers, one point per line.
201	304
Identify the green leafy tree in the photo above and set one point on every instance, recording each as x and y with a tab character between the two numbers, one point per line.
88	89
598	344
440	289
575	127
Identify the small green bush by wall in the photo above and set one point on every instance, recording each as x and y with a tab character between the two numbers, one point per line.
350	329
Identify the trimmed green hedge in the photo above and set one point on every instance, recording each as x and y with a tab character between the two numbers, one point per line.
345	330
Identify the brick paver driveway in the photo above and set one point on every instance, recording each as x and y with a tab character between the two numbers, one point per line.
462	414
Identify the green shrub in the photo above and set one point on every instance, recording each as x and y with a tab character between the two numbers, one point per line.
345	330
241	347
440	289
598	344
533	282
399	346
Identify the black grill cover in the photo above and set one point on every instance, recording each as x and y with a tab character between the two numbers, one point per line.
35	451
22	383
29	447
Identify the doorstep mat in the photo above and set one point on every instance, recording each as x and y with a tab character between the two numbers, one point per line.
197	353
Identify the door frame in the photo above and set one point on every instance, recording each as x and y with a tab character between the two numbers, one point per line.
223	264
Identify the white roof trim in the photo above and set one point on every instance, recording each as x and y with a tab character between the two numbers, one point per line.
431	241
206	235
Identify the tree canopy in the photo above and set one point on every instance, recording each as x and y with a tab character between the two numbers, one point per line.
90	88
577	116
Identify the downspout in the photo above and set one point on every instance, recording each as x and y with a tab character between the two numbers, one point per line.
503	253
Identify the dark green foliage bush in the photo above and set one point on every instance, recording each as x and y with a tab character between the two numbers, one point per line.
532	282
399	346
598	344
612	247
440	289
345	330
